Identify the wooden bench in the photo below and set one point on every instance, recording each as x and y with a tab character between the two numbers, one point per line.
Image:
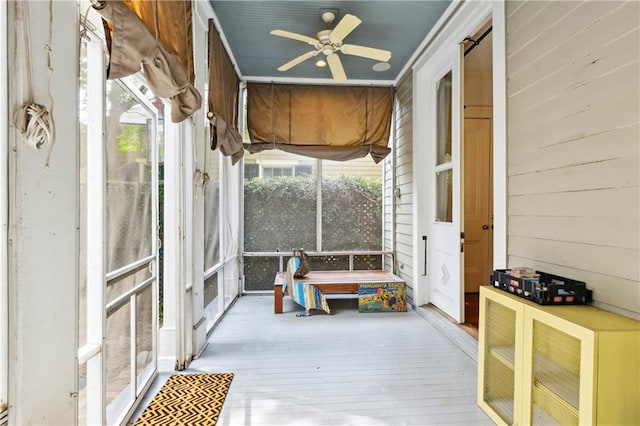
333	282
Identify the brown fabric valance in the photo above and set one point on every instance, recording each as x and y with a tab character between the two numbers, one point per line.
135	44
224	86
329	122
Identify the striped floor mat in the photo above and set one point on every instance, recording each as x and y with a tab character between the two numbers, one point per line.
188	399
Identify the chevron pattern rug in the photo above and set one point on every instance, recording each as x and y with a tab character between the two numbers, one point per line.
188	399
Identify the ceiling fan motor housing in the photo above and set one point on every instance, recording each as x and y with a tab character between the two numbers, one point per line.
326	46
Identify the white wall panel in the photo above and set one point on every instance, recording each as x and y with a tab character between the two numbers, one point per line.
573	157
43	251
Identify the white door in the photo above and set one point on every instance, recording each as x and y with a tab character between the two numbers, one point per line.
118	299
444	176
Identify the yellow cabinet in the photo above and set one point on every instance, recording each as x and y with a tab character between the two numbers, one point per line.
556	364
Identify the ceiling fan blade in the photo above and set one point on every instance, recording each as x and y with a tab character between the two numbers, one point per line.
292	63
335	65
347	24
366	52
295	36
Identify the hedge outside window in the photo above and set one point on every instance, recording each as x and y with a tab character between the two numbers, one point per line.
280	215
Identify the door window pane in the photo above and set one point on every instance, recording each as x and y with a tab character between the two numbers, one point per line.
443	119
210	289
131	210
129	128
230	273
82	250
126	282
444	194
211	300
118	368
212	211
144	336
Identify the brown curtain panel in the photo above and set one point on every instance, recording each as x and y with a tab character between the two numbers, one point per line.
173	27
224	86
328	122
133	46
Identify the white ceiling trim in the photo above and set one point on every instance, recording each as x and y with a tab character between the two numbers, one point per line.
208	13
318	81
440	24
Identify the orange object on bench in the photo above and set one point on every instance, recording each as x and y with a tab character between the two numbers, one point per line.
333	282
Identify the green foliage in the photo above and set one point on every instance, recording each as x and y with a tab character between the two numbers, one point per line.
351	213
280	213
132	137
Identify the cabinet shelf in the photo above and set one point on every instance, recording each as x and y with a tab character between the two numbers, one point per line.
549	405
541	417
559	382
504	354
504	407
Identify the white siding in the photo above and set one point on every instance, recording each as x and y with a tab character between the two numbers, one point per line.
573	163
404	180
387	202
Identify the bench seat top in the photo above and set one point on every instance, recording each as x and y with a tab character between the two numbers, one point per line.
344	277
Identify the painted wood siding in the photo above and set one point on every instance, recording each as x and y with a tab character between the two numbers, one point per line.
573	136
387	203
404	180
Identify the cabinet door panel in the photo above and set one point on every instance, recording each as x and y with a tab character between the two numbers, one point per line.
558	370
500	357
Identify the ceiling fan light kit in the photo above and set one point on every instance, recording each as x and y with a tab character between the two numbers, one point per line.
329	43
381	66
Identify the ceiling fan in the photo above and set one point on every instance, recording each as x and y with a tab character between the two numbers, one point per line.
329	43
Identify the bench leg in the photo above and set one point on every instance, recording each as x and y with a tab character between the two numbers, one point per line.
277	299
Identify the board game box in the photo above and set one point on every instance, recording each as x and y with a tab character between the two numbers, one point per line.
382	297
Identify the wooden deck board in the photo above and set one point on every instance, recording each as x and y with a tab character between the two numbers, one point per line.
347	368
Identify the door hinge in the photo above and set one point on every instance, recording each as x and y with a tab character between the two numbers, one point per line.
462	242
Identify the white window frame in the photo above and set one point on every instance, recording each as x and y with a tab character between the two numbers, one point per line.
273	167
92	352
151	262
318	250
251	164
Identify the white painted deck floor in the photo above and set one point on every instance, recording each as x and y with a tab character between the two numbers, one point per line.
347	368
